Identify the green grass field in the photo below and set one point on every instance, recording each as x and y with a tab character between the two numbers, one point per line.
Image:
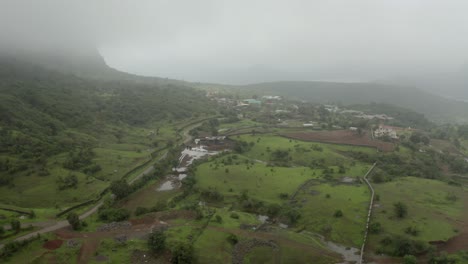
264	183
430	208
242	123
302	153
319	202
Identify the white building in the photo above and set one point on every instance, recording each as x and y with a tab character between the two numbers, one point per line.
385	131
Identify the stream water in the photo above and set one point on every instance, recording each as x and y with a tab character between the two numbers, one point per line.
188	156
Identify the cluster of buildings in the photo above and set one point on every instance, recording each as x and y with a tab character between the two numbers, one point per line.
383	131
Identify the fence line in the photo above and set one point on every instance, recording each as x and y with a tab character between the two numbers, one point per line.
371	204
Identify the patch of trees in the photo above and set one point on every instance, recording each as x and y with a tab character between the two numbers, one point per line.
242	146
281	157
456	164
442	258
400	246
67	182
212	195
210	126
79	159
183	253
120	189
393	165
14	246
74	221
159	206
110	214
156	241
418	137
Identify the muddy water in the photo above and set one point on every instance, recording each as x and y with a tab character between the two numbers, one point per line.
166	186
350	255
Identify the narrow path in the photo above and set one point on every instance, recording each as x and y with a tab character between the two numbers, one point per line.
371	204
148	170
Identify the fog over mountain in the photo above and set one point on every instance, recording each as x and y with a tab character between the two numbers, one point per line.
420	43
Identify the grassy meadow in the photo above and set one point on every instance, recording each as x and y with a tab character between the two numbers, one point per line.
433	208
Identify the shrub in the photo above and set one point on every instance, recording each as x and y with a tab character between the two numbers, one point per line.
232	239
375	228
74	221
401	210
412	230
182	254
234	216
120	188
113	214
219	219
338	213
409	259
157	241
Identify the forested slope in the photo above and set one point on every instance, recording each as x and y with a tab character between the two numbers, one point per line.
45	112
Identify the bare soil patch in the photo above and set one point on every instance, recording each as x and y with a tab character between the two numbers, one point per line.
53	244
139	256
87	250
346	137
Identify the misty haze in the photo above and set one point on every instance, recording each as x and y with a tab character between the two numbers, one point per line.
234	131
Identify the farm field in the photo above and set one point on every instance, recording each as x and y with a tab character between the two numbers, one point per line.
320	196
341	137
266	183
301	152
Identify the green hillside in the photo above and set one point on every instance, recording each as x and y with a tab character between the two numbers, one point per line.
62	132
435	107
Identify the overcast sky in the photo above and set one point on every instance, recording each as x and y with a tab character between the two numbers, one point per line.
246	41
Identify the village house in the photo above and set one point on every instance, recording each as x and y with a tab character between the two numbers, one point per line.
271	97
246	102
378	116
385	131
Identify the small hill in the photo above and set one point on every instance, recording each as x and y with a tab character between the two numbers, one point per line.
52	122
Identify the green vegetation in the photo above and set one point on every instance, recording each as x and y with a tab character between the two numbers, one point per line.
157	241
62	136
65	139
335	210
425	215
